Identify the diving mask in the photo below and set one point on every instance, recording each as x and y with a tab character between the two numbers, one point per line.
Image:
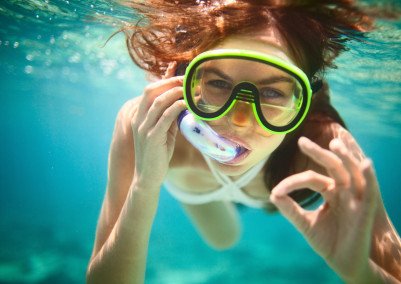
278	92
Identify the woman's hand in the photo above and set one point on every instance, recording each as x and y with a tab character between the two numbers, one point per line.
340	229
154	129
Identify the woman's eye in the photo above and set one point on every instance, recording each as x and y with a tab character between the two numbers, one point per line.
271	94
220	84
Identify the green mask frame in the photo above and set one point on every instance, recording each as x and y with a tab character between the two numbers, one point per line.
246	91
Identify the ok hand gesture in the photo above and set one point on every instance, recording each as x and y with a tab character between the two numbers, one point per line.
340	230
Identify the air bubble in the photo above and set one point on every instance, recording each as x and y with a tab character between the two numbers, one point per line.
29	57
16	44
75	58
28	69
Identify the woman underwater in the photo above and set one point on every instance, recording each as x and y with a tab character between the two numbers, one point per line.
255	76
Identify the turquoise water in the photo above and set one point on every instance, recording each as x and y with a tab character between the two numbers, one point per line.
60	90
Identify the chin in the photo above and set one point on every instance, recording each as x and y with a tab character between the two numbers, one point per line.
232	170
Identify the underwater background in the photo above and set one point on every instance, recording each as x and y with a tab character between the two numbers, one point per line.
60	91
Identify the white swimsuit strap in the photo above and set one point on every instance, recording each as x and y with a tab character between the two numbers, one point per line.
230	190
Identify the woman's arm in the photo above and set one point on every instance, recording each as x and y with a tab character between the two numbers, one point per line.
135	176
122	257
127	213
386	244
217	222
385	247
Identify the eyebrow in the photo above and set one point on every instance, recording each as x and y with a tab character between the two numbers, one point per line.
215	71
267	81
275	79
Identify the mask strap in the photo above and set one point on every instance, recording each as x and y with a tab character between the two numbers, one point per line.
181	67
316	86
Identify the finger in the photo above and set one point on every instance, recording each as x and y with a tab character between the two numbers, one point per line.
327	159
154	90
357	181
170	71
173	130
170	140
308	179
351	144
371	180
298	216
169	117
291	210
160	105
159	87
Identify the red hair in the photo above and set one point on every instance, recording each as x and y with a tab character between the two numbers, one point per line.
178	30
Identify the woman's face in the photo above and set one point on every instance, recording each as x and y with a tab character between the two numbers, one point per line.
240	124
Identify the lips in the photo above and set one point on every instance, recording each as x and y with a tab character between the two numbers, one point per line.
237	140
244	150
245	153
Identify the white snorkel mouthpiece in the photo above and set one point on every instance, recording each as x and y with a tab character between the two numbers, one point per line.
206	140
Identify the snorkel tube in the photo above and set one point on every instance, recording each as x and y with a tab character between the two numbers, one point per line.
206	140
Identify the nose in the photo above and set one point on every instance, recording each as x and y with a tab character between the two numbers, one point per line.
241	114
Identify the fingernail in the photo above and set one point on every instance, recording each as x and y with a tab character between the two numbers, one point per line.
367	163
304	142
335	144
272	198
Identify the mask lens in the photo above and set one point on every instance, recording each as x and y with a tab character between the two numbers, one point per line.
280	96
211	85
279	93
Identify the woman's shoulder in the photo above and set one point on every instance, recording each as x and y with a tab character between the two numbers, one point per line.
128	110
122	125
122	138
